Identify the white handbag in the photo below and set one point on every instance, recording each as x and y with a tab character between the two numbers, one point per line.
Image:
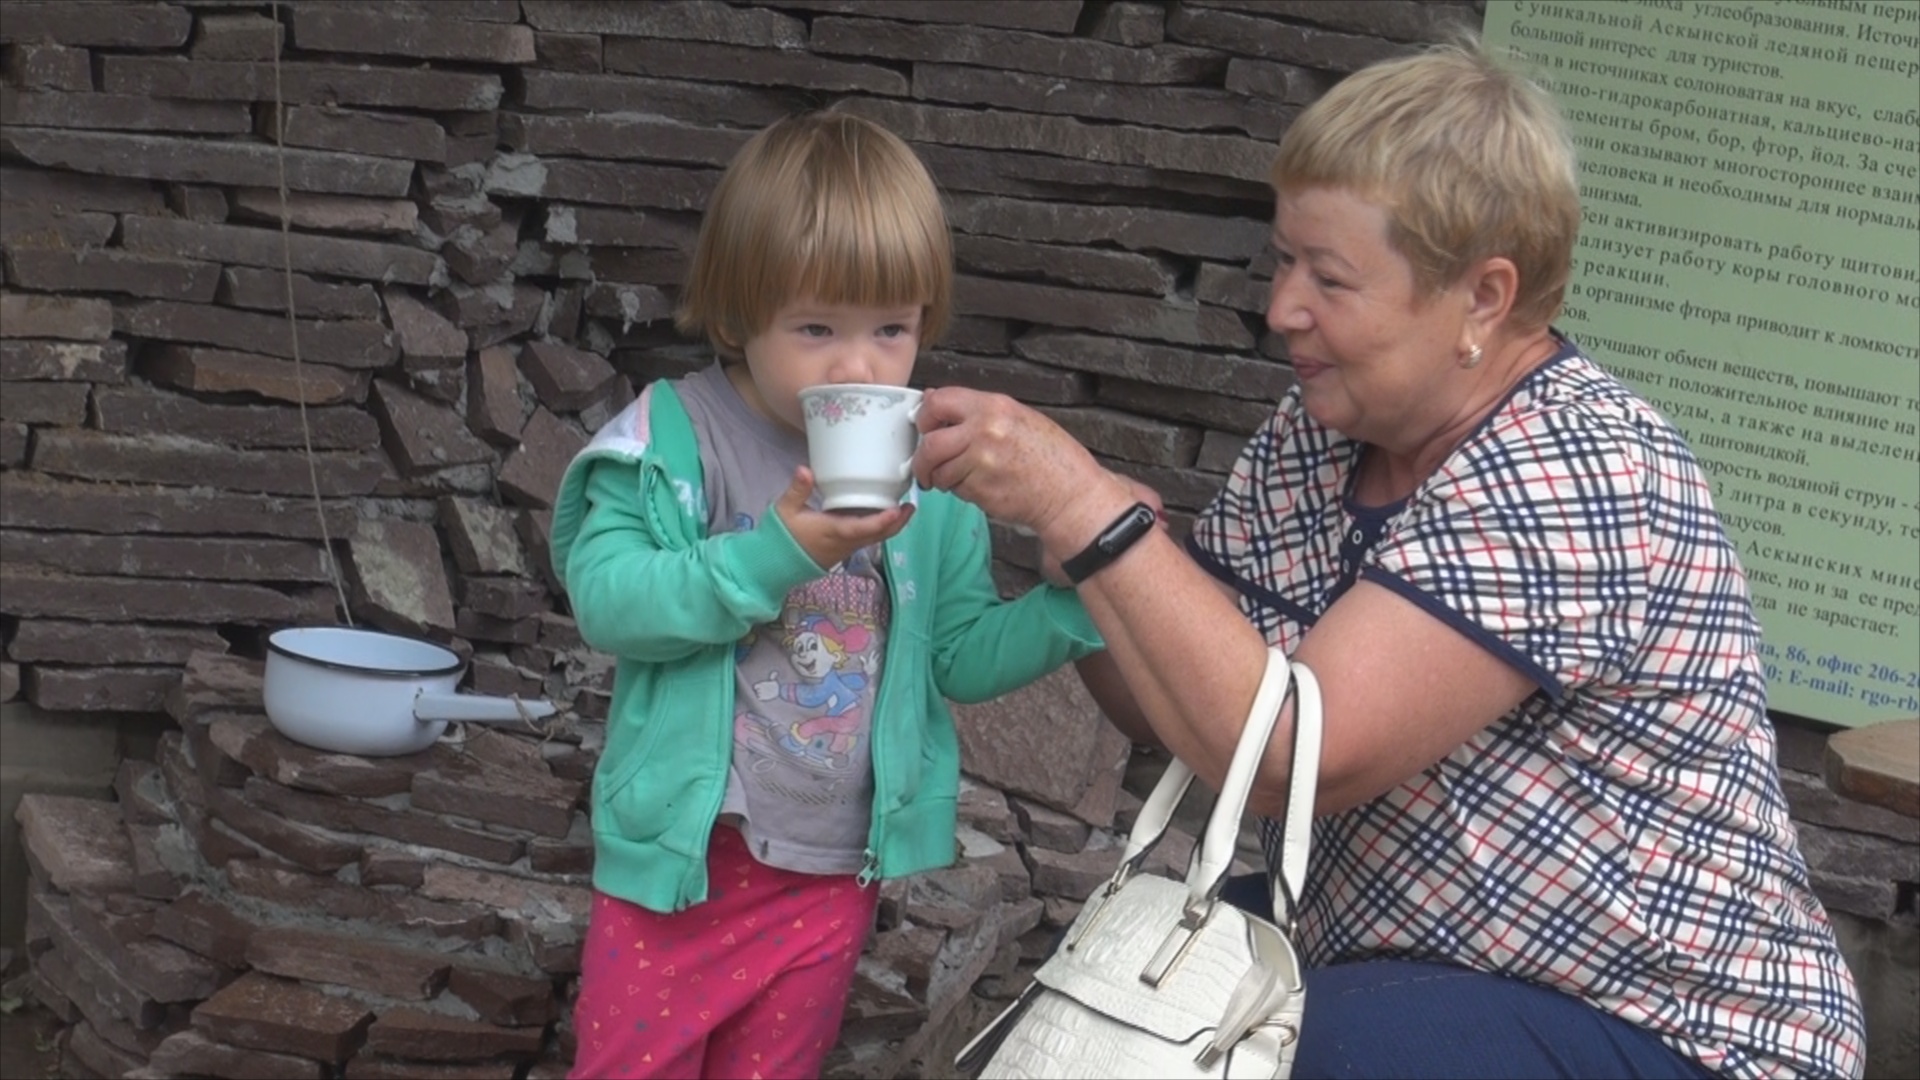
1159	978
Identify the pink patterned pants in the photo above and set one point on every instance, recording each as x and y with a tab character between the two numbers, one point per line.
750	984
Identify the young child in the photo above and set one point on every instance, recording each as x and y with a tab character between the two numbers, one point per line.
779	736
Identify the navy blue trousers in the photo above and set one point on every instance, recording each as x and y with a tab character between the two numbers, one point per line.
1392	1018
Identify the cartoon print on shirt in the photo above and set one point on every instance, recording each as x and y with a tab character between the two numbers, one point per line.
834	665
824	672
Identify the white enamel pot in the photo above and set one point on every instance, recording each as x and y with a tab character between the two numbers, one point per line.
372	693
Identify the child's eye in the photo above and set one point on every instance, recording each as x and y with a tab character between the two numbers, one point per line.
894	330
816	330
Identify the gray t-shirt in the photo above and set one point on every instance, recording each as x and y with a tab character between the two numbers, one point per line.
800	788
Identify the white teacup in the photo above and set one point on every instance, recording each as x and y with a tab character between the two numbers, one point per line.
860	443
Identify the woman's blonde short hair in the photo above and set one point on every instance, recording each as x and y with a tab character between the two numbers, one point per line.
822	206
1469	159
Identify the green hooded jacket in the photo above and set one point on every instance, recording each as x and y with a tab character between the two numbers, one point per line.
648	585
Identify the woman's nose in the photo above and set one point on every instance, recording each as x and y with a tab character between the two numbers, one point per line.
1284	310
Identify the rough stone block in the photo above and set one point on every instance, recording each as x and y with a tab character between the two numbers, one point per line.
191	1053
160	157
360	30
1078	874
189	557
197	202
223	371
416	828
96	362
35	228
531	475
244	246
97	455
252	741
1036	384
421	1035
296	843
42	594
493	314
1272	39
516	898
427	338
1130	438
295	892
113	271
55	189
1013	49
348	960
397	577
422	435
565	378
266	290
567	52
237	37
69	318
481	537
327	213
215	681
62	404
38	66
495	410
263	1013
701	20
501	997
207	926
133	26
159	969
670	59
301	83
103	689
321	341
123	112
146	411
518	799
80	843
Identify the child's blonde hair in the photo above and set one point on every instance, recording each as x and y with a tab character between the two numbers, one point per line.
822	206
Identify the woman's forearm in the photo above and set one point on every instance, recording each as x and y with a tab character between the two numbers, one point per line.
1189	659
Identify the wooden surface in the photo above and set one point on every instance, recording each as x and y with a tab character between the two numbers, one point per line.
1878	764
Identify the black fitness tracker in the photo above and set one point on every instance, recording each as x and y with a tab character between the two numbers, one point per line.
1112	542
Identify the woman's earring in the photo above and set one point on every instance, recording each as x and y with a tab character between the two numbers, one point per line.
1473	358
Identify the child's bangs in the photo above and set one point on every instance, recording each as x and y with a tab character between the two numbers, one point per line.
870	253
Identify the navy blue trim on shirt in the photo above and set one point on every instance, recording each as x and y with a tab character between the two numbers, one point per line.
1259	594
1474	632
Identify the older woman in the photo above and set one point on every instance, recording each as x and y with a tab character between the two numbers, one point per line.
1551	839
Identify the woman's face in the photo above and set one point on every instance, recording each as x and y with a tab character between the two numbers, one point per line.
1371	360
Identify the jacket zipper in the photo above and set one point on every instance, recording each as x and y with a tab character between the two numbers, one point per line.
659	474
876	833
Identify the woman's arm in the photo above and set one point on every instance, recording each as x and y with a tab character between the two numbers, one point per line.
1401	688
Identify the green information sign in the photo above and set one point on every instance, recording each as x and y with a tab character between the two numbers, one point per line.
1750	262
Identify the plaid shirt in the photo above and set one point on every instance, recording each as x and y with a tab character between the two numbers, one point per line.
1621	835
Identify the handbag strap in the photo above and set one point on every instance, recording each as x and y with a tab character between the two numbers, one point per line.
1214	855
1217	845
1296	838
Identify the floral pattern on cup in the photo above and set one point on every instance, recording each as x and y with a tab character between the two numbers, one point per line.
841	407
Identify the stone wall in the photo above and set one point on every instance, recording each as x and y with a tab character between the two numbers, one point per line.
487	206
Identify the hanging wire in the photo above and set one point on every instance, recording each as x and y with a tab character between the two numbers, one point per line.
293	324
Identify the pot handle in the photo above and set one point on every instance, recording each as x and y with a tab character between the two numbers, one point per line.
478	708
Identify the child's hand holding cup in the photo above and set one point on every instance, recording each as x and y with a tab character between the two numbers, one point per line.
860	443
